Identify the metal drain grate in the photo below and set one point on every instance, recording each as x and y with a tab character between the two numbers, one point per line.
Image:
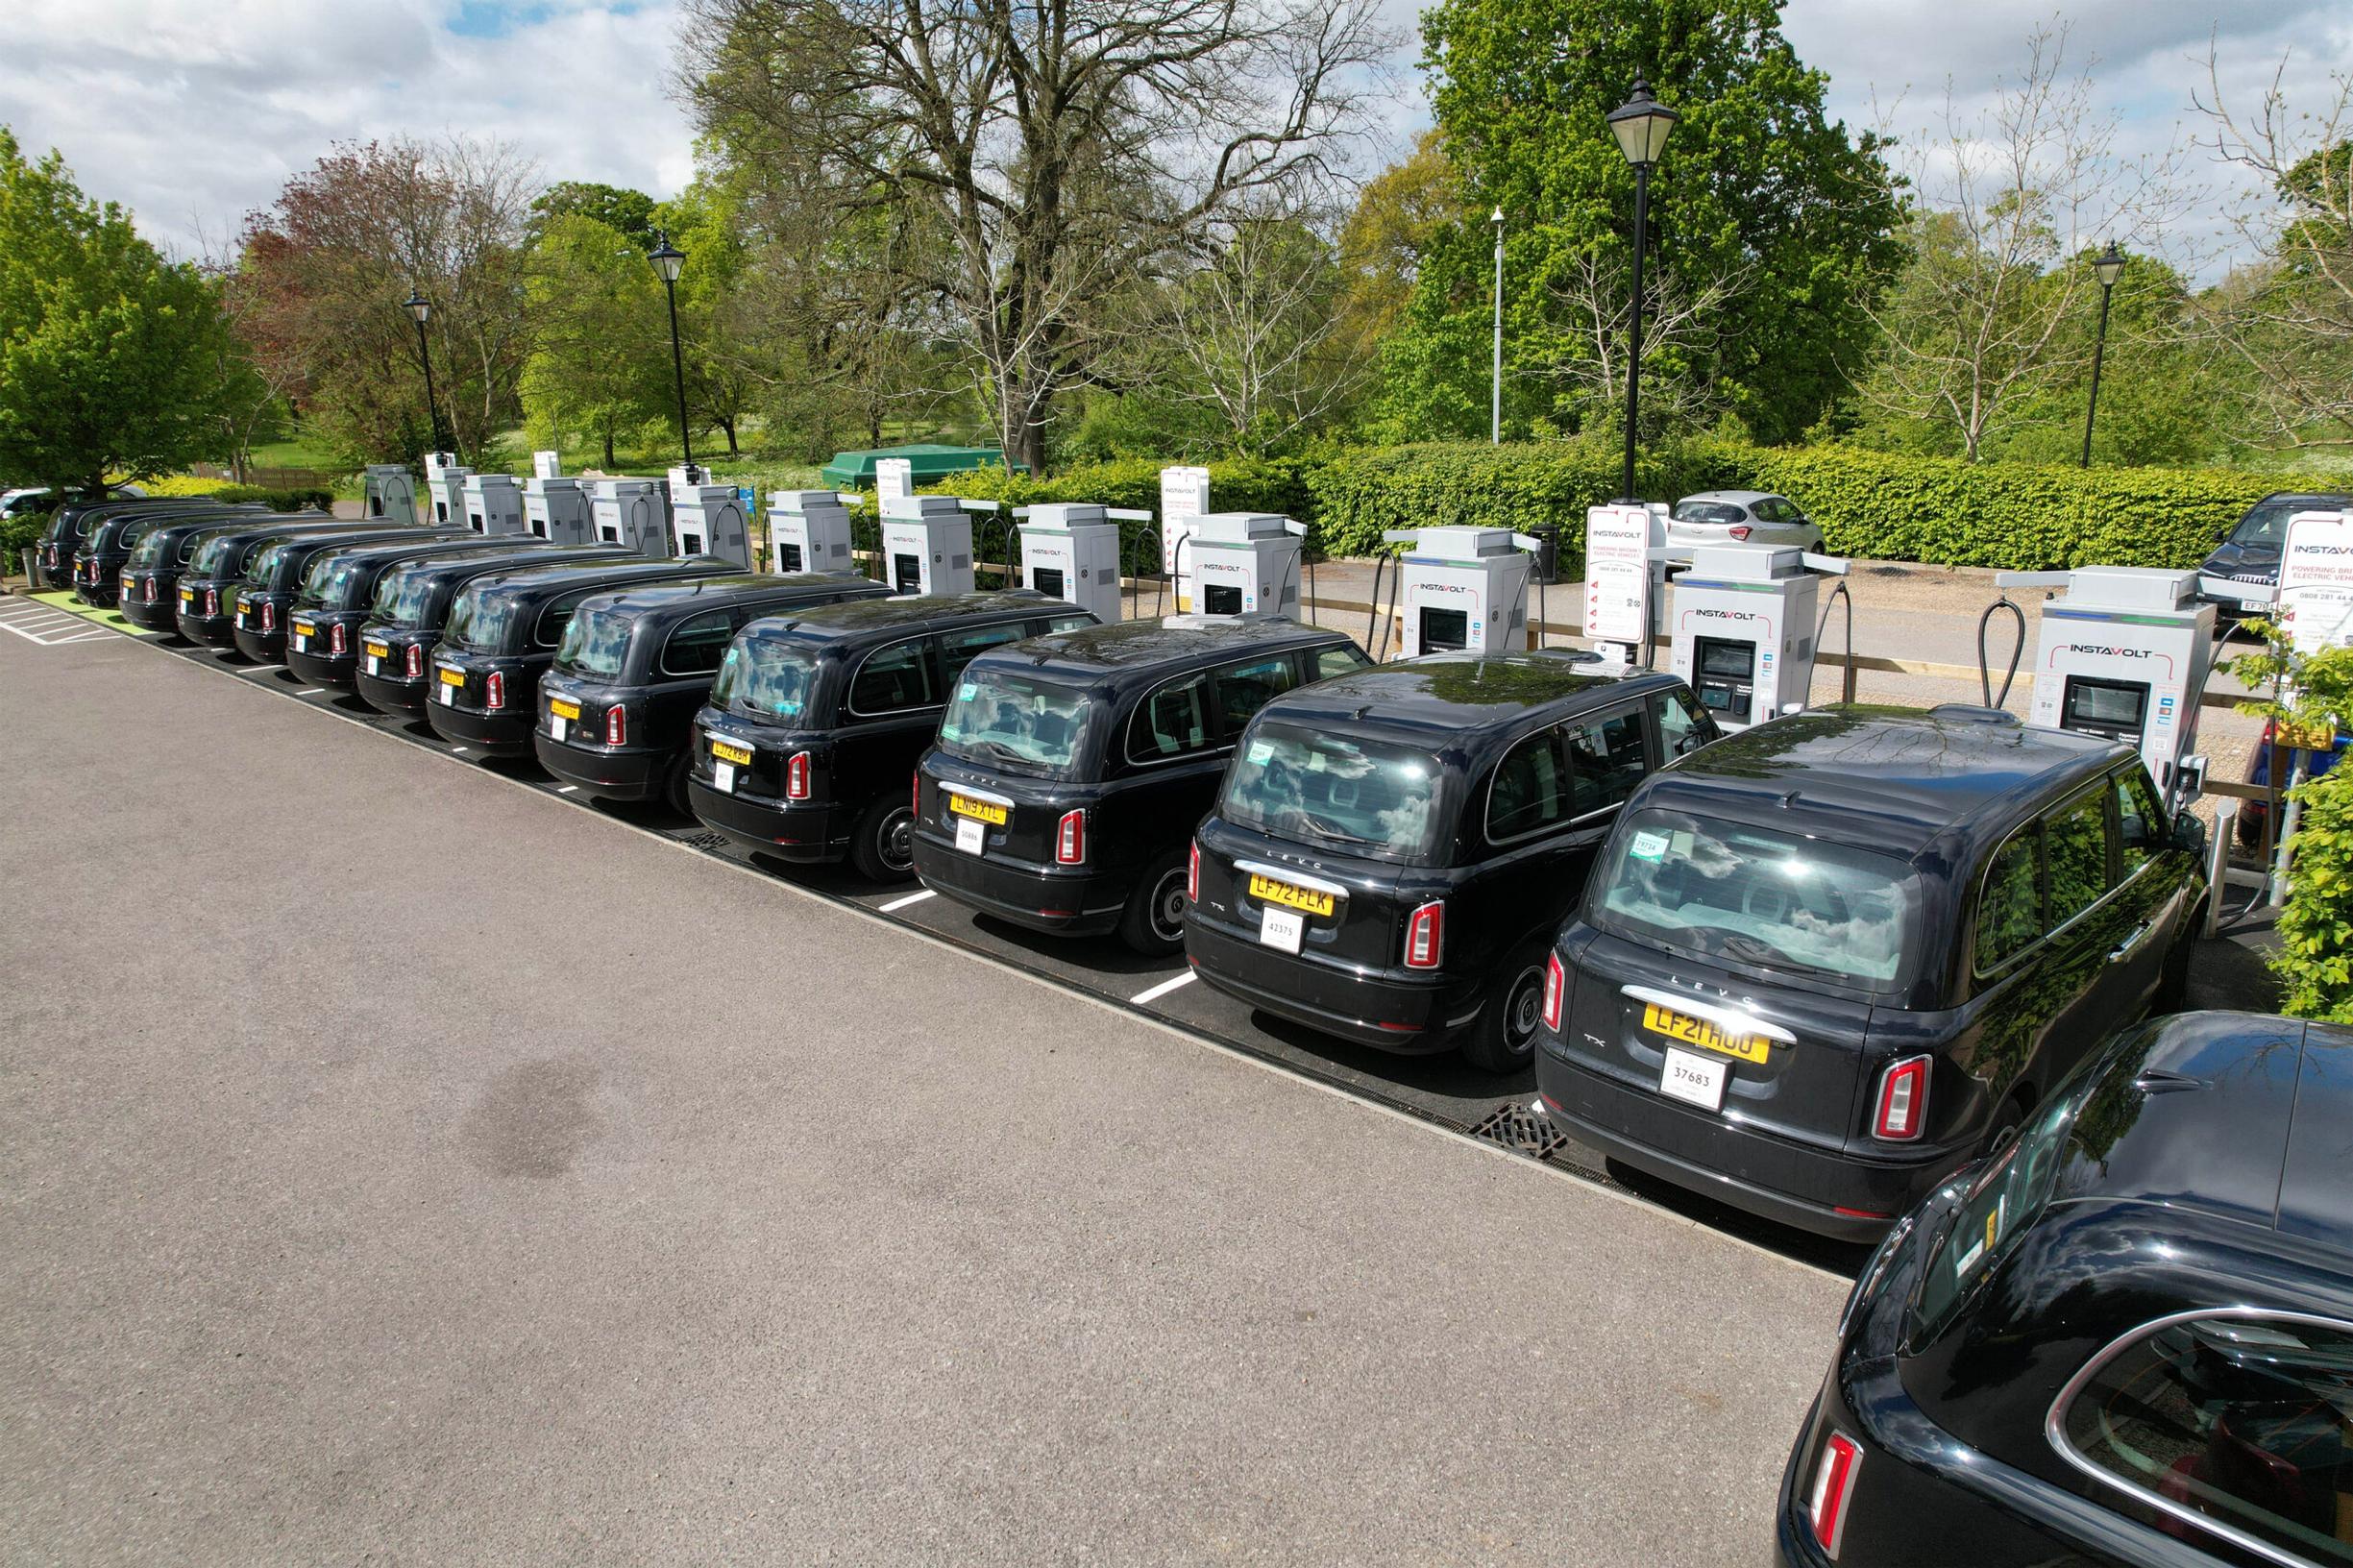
704	841
1522	1130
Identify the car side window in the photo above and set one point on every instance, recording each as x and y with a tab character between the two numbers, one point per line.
557	617
1606	760
894	678
2138	821
1338	661
2075	842
1242	689
1170	721
1526	796
698	643
2010	900
1684	725
958	648
1071	623
2236	1423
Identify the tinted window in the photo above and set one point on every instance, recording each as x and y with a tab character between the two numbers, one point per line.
480	616
958	648
2140	823
402	596
1709	511
1338	661
2239	1422
1242	689
1527	794
697	645
1320	789
553	620
766	678
596	643
1071	623
1170	721
2266	524
998	717
1684	725
2001	1203
894	678
2009	903
2075	842
215	559
1607	760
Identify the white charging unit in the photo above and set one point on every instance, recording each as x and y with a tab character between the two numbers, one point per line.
554	506
1624	579
1741	628
1464	589
2123	651
1241	563
493	503
1070	552
444	483
2316	581
1184	498
388	490
927	542
632	512
808	530
706	518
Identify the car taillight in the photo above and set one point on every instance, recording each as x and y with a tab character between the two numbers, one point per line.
1192	873
1556	983
495	691
797	776
1740	531
615	725
1903	1101
1071	839
416	661
151	590
269	617
212	601
1834	1473
1426	936
337	642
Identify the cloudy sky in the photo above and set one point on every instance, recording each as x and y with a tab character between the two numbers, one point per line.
194	111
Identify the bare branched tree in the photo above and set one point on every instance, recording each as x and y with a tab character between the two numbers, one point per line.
1059	150
2289	317
1593	296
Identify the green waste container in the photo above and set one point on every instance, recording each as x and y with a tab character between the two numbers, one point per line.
927	463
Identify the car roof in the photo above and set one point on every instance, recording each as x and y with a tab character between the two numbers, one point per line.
1740	497
281	529
856	617
2305	495
558	577
393	549
505	557
1885	778
724	592
2236	1115
1430	701
1085	653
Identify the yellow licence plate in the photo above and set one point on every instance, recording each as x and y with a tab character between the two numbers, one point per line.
304	628
452	678
565	709
980	810
188	596
376	650
739	755
1266	890
1705	1035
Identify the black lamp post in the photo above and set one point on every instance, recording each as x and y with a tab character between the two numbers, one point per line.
419	308
667	259
2108	266
1641	126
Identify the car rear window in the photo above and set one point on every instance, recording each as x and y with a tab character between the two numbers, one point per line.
1367	796
484	618
213	557
1999	1205
595	643
2266	523
402	596
766	678
264	566
1709	511
151	550
1722	891
995	716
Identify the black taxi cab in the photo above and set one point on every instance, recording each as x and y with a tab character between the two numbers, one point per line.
412	602
617	710
266	594
339	586
206	600
2125	1337
61	540
148	585
1825	962
806	749
502	635
1069	770
1393	849
107	546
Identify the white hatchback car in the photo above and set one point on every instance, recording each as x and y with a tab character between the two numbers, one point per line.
1749	517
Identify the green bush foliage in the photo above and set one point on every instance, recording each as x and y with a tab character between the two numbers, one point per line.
278	500
2316	927
16	534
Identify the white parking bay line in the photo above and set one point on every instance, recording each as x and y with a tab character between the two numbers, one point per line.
262	670
1161	990
310	691
911	898
566	788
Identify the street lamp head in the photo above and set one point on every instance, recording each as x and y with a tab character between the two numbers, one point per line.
2108	266
417	306
1641	125
666	258
1497	219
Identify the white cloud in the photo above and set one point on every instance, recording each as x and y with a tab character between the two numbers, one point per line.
194	113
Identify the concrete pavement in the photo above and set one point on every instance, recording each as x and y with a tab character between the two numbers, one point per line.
403	1164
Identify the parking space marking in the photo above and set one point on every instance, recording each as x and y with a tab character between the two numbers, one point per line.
261	670
310	691
48	627
566	788
911	898
1161	990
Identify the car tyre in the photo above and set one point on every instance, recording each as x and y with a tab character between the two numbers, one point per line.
675	790
1153	923
884	847
1503	1040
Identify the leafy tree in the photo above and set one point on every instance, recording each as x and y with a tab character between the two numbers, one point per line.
601	363
109	356
627	212
1761	199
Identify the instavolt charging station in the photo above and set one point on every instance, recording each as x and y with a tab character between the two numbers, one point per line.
1240	563
388	490
927	542
1742	629
1464	589
445	481
632	512
707	519
493	503
1070	552
808	530
554	508
2124	653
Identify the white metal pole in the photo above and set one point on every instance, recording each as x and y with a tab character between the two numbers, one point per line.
1495	416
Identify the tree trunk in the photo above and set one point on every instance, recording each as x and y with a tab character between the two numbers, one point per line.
608	448
728	426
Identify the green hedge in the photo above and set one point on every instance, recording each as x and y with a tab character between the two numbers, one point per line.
229	490
2316	927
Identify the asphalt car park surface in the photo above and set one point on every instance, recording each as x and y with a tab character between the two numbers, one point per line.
405	1163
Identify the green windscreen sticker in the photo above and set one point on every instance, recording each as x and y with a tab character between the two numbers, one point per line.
1648	846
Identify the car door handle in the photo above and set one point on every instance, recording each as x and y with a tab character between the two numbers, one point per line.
2131	945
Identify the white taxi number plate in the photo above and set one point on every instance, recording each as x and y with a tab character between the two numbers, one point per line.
1281	929
449	694
557	725
302	643
970	835
2254	604
370	664
723	773
1695	1078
